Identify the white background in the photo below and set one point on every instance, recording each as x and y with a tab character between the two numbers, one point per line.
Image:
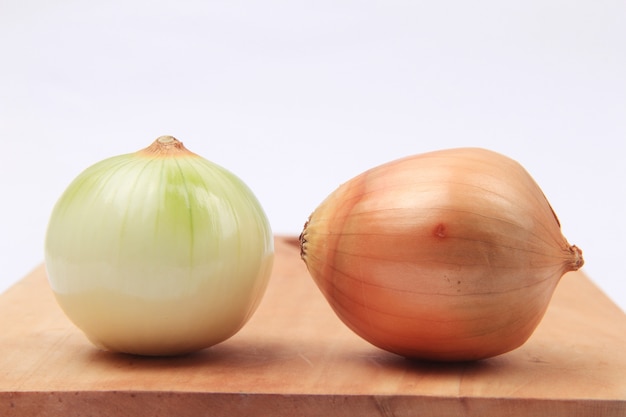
296	97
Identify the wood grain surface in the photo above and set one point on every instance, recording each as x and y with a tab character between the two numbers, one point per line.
295	358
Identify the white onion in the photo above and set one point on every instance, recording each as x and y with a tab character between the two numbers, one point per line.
158	252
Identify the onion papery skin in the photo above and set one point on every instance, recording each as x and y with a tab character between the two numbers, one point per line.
451	255
158	252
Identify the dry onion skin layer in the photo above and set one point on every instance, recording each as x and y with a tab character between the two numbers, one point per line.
451	255
158	252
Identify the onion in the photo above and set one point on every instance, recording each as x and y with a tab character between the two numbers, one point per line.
158	252
451	255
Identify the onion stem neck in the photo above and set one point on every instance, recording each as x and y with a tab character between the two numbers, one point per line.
578	260
165	146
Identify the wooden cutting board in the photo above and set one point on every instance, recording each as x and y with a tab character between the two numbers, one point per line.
295	358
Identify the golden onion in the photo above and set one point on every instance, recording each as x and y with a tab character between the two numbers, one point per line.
449	255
